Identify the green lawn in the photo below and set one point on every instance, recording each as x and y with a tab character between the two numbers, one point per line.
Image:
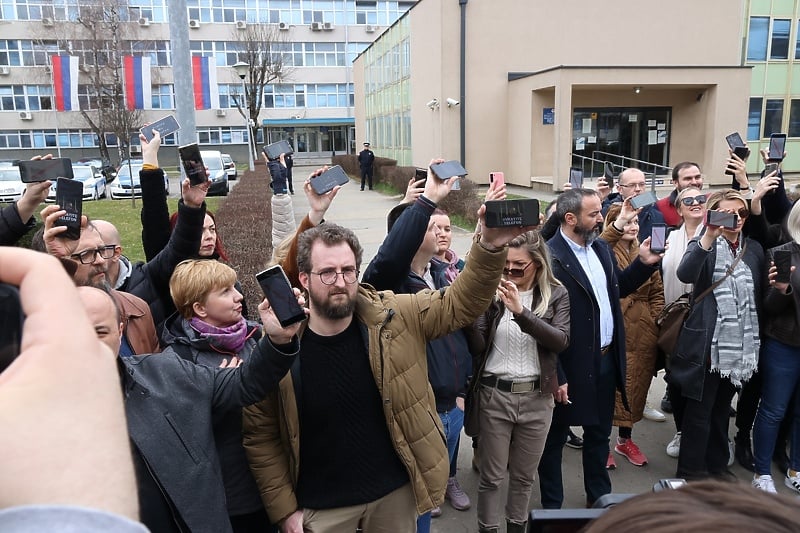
126	218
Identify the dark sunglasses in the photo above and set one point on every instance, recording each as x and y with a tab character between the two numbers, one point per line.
700	199
743	212
516	272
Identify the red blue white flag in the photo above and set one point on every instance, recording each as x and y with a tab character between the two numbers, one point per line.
204	74
65	82
137	81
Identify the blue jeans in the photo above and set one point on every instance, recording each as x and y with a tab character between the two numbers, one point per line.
453	422
780	374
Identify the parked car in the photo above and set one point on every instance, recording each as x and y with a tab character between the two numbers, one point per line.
216	172
105	166
124	187
230	166
94	183
11	186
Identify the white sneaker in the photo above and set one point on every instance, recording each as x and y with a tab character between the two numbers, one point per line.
654	414
765	483
793	482
674	446
730	452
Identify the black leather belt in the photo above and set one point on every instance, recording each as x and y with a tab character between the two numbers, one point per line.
510	386
605	350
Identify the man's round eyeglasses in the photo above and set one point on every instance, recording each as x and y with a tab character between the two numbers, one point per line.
516	272
329	277
87	257
638	185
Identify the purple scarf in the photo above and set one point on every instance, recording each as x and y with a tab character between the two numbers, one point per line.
230	339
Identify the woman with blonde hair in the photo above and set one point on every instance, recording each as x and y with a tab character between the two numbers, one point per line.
639	310
515	382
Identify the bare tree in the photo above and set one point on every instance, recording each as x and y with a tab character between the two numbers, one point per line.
266	50
101	36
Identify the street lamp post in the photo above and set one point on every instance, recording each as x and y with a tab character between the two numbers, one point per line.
242	69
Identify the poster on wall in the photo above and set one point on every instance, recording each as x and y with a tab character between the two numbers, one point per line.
549	116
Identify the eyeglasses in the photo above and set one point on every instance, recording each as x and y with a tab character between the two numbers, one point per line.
516	272
329	277
87	257
637	185
700	199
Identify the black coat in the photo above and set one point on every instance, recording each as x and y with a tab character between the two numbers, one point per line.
581	360
12	227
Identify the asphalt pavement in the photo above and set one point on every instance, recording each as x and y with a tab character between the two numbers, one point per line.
365	213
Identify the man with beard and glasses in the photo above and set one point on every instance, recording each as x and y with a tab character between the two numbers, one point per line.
594	362
372	451
91	256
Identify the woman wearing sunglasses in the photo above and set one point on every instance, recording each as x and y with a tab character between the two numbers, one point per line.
717	351
516	344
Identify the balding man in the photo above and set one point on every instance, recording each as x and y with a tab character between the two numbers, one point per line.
631	182
170	405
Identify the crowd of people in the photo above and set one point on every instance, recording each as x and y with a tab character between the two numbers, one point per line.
531	332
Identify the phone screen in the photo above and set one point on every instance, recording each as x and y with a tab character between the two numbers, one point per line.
276	288
783	262
11	320
734	140
69	196
193	163
34	171
777	145
658	238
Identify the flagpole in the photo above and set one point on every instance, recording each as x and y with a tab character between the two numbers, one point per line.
53	103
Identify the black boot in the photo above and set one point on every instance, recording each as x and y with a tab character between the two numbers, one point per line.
513	527
743	451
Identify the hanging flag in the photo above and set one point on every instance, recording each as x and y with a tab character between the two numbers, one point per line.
204	74
65	82
138	88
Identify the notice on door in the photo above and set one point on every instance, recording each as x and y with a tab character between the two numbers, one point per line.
652	137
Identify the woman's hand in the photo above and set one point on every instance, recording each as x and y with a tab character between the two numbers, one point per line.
773	274
272	326
509	294
414	190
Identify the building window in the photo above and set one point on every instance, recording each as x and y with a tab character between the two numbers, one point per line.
773	117
794	119
163	96
758	39
222	135
330	95
780	39
754	119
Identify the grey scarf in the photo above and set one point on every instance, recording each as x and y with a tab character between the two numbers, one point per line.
735	343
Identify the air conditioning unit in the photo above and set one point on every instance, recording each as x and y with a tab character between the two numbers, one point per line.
241	24
194	23
25	115
47	21
144	21
283	26
369	28
136	149
327	26
221	112
316	26
5	71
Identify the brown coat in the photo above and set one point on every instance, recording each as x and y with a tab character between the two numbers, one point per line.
640	311
137	323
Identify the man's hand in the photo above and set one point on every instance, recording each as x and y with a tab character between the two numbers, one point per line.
739	168
55	245
460	403
437	189
318	203
34	195
626	214
150	149
561	396
496	238
272	326
647	256
293	523
773	274
602	187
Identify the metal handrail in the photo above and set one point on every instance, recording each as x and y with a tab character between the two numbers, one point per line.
599	164
622	158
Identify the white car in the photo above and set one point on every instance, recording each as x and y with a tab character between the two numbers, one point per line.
230	166
11	186
94	183
124	187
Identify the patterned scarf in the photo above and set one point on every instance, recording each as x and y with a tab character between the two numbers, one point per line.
735	343
230	339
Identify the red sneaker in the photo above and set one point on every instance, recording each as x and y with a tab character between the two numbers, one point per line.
631	451
610	463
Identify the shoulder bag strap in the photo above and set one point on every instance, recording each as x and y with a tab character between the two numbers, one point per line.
723	278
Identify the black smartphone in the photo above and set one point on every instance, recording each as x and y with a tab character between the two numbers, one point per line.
777	145
164	126
69	196
576	178
278	290
769	168
275	149
643	199
722	219
329	179
658	238
45	169
608	173
783	262
448	169
738	146
505	213
193	163
11	320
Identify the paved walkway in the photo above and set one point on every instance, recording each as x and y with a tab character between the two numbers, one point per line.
365	212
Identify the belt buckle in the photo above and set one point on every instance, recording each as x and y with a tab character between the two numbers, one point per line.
521	386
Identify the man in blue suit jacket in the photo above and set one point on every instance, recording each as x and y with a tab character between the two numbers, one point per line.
594	362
